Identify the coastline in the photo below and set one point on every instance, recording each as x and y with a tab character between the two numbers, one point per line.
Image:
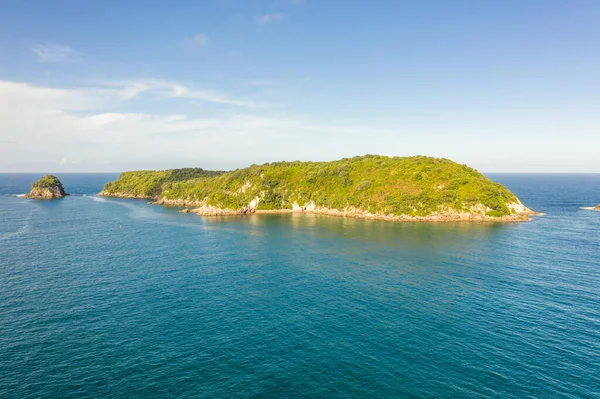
477	214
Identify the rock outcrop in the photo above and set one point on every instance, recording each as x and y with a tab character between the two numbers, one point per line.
477	213
597	208
47	187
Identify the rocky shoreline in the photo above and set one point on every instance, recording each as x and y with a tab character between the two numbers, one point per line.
452	216
591	208
476	213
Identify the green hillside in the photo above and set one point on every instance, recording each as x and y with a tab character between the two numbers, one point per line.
47	182
414	186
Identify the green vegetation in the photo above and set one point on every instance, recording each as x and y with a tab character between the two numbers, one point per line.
47	182
149	183
414	186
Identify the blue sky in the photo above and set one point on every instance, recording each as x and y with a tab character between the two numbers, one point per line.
503	86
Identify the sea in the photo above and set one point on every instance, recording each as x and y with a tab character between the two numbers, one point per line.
115	298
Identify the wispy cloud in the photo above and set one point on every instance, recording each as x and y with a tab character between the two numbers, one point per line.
200	40
271	18
131	89
180	91
53	52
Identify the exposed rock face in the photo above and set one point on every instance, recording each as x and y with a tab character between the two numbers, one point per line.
476	213
597	208
48	187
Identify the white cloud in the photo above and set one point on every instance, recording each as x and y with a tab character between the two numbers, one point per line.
180	91
200	40
16	94
271	18
53	52
132	89
66	161
86	126
43	122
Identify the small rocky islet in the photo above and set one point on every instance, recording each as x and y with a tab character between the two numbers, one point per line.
417	188
47	187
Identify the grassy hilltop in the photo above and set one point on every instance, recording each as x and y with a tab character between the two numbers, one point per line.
412	186
46	182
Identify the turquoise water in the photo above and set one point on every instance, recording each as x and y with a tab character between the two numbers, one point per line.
116	298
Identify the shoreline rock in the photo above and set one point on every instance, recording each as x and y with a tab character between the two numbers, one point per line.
47	187
358	214
591	208
476	213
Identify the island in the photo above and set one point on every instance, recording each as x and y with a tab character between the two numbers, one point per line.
47	187
416	188
597	207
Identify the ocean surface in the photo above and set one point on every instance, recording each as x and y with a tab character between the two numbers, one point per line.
104	297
